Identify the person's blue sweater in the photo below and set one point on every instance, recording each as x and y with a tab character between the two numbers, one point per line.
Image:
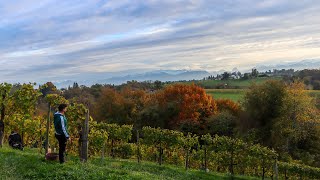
60	124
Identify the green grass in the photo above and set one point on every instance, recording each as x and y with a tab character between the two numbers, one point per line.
238	94
233	94
29	164
314	93
233	83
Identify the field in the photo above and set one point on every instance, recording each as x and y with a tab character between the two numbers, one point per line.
314	93
233	94
238	94
31	165
232	83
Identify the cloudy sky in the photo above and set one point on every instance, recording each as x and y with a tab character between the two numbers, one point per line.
77	39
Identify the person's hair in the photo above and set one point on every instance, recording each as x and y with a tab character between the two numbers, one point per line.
62	106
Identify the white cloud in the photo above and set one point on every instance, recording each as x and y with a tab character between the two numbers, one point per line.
92	36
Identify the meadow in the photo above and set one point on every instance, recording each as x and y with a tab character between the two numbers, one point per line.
232	94
232	83
238	94
29	164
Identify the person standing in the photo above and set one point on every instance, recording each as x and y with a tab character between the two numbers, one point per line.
61	130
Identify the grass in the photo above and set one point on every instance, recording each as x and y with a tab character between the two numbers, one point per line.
314	93
238	94
233	83
29	164
233	94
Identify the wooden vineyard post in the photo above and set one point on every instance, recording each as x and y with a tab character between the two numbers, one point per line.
47	129
276	172
40	133
138	147
103	151
84	144
205	158
187	159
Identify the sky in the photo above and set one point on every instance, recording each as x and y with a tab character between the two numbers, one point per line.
51	40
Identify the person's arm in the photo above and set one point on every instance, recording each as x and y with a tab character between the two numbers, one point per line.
64	127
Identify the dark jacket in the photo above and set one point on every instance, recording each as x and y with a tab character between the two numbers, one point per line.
60	124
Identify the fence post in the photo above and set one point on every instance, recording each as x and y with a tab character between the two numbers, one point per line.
187	159
47	130
102	152
276	172
84	144
138	146
205	157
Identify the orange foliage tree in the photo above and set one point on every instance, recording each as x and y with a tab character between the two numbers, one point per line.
228	105
191	103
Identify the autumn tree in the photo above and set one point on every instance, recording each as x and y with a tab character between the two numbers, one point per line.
285	118
122	107
225	121
109	106
186	104
263	104
296	130
228	106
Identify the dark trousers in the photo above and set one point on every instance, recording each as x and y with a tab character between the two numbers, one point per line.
62	147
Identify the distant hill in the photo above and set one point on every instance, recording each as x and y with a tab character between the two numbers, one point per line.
304	64
161	75
177	75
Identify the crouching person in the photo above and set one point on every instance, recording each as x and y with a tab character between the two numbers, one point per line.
61	130
15	140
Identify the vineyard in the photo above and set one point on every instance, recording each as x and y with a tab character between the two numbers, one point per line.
209	153
215	153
